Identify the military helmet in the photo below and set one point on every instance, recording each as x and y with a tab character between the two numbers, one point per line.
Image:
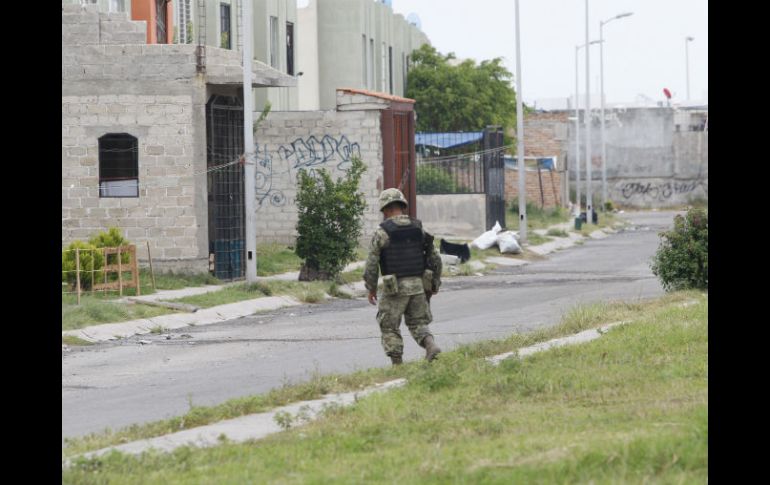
388	196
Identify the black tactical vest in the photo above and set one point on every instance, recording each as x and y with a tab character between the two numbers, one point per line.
404	254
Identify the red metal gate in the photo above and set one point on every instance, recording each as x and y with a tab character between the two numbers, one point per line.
397	125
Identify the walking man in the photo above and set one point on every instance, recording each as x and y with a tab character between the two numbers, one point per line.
411	270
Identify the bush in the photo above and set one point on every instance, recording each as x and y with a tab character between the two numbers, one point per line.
329	222
435	180
112	238
90	259
681	261
609	206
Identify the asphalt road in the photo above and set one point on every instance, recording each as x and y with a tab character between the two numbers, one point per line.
118	384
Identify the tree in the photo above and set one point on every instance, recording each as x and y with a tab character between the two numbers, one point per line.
463	97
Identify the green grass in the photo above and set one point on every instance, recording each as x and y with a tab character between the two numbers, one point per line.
94	310
605	219
354	276
275	259
72	340
535	239
630	407
537	218
443	395
309	292
464	269
175	281
557	233
163	280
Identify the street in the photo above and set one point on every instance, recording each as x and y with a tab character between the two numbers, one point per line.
120	383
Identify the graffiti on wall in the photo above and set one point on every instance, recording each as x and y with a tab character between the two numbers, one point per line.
264	182
662	191
311	152
303	153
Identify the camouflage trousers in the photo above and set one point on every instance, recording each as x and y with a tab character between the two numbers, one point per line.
417	316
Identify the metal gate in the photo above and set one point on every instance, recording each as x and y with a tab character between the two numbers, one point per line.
494	175
397	125
224	144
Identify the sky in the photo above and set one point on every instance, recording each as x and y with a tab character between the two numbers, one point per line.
643	53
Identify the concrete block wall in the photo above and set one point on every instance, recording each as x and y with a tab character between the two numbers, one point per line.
164	213
85	25
551	181
290	141
453	215
649	163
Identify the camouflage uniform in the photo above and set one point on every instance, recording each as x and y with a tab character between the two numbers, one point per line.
409	301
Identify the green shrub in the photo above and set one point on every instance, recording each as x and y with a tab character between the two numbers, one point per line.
681	261
112	238
609	206
435	180
329	222
90	259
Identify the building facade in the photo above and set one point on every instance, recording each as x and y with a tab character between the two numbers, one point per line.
360	44
151	138
219	24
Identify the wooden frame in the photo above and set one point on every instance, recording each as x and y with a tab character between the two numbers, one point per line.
120	268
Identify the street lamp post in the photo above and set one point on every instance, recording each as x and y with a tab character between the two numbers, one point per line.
589	201
577	124
577	131
687	40
601	82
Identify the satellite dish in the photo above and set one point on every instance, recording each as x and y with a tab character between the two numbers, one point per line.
414	19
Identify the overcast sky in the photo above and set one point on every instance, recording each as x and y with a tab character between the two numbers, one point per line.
643	53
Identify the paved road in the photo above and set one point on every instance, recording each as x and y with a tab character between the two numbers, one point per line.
117	384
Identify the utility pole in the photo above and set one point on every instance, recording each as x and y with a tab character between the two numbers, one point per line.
248	145
520	139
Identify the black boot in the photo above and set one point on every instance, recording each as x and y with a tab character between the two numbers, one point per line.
396	359
431	349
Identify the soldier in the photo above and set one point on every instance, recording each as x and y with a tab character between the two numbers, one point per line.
411	270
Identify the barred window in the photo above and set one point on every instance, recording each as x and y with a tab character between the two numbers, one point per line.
118	165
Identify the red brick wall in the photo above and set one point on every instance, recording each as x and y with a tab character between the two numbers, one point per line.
540	140
551	187
540	134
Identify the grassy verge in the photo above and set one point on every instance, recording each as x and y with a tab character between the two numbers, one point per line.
535	239
175	281
310	292
605	219
352	276
557	233
71	340
96	309
454	381
275	259
537	218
